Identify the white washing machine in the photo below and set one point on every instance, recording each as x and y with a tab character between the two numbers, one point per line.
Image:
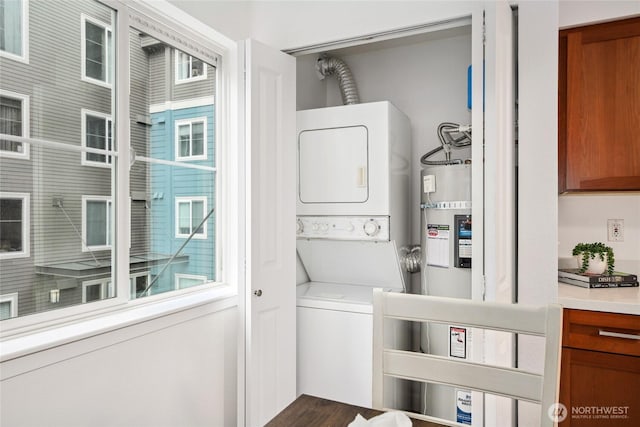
335	317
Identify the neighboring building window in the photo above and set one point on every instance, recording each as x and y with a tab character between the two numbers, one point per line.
14	120
190	211
14	225
95	290
97	51
189	69
189	280
8	306
139	284
13	29
97	132
191	142
96	223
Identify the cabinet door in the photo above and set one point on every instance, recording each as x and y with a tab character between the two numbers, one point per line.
600	389
599	135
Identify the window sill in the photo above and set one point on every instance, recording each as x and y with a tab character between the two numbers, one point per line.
171	310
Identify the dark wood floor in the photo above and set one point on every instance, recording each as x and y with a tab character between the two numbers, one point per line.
309	411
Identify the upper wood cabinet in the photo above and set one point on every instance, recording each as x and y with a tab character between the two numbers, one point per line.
599	107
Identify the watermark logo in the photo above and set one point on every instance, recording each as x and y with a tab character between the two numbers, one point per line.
557	412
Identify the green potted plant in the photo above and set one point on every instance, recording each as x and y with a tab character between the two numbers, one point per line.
594	258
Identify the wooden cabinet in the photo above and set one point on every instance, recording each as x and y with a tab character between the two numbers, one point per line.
600	370
599	107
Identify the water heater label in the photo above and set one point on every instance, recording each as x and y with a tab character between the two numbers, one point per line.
457	342
463	407
438	245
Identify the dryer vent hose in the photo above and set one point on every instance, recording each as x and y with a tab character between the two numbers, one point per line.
327	66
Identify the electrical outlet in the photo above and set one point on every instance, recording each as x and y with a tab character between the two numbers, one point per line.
615	230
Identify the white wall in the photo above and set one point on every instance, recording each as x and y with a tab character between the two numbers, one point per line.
179	370
583	219
579	12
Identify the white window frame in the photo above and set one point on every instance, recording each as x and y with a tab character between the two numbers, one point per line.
25	37
169	25
178	80
26	225
179	276
190	122
110	213
108	51
83	132
13	300
205	210
24	99
107	290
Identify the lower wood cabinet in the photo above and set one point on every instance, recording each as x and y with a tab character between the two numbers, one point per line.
600	370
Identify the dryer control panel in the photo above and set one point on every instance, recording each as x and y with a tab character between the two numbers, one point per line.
371	228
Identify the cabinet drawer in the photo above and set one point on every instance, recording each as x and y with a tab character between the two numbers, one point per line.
599	331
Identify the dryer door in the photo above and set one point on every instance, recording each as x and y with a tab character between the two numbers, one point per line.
333	165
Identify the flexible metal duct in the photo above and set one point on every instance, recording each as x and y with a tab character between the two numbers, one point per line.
327	66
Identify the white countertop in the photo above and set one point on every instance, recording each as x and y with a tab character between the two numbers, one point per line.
614	300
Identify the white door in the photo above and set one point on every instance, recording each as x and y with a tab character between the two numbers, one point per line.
497	201
270	349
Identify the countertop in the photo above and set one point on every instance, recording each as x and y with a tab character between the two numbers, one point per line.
613	300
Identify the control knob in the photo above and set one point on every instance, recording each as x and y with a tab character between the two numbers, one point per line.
299	227
371	228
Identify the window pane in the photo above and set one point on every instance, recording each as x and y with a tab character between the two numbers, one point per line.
184	218
10	122
197	130
197	68
11	26
95	50
96	223
178	191
184	138
197	214
47	249
93	292
11	225
5	310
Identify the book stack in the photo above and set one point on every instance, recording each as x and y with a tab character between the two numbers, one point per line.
573	276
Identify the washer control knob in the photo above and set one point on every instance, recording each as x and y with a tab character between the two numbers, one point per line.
299	227
314	227
371	227
324	227
350	227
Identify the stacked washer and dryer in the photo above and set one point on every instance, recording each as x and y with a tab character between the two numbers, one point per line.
352	221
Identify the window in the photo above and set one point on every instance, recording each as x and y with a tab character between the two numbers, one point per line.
97	51
191	141
96	223
14	120
188	280
13	29
8	306
82	223
190	212
97	132
189	69
14	225
96	290
140	284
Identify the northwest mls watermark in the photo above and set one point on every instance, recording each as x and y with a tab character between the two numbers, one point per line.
558	412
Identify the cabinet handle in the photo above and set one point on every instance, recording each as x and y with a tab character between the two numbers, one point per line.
618	335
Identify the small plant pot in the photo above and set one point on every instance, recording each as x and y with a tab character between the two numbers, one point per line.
597	265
